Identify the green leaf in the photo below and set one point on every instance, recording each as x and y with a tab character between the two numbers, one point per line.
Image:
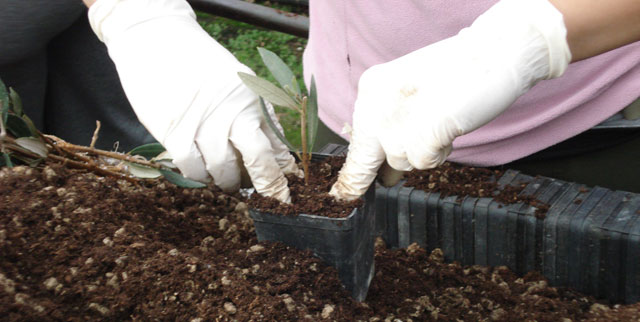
280	71
141	171
270	92
6	160
32	127
34	145
181	181
17	126
4	101
16	102
164	159
273	126
148	151
312	115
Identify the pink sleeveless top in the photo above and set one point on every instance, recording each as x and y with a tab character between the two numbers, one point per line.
347	37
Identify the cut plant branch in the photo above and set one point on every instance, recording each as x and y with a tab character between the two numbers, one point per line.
110	154
22	143
288	95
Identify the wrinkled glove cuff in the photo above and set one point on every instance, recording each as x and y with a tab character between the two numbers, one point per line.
534	30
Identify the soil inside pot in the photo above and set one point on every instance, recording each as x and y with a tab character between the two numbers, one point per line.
451	179
312	198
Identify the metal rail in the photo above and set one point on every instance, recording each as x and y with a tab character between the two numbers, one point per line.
256	15
293	2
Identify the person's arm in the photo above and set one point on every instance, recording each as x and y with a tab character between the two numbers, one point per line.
409	110
595	26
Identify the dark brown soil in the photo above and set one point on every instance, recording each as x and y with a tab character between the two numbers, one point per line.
75	246
451	179
311	198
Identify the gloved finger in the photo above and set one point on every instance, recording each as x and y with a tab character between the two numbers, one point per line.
431	146
392	140
258	155
364	158
424	157
428	158
189	163
283	156
220	158
185	153
396	156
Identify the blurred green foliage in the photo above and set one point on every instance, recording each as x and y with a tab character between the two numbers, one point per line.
243	39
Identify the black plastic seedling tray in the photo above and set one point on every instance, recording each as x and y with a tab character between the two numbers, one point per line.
344	243
589	239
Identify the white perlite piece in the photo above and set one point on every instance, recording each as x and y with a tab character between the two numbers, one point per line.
23	299
223	223
8	285
99	308
241	207
49	173
119	232
51	283
256	248
230	308
327	310
107	241
289	304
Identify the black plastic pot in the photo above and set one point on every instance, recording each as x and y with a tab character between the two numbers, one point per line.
589	239
344	243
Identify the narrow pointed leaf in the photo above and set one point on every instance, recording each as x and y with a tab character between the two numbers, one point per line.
32	127
164	159
181	181
273	126
17	126
6	160
148	151
164	155
312	115
34	145
166	163
280	71
268	91
16	102
4	102
143	172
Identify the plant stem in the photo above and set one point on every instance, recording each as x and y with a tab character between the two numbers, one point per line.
3	131
93	168
114	155
303	136
95	135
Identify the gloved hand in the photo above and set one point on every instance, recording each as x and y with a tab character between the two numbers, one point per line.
410	109
184	88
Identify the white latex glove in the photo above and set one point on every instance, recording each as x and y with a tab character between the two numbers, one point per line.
410	109
184	88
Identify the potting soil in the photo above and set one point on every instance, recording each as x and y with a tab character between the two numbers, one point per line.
451	179
76	246
312	198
